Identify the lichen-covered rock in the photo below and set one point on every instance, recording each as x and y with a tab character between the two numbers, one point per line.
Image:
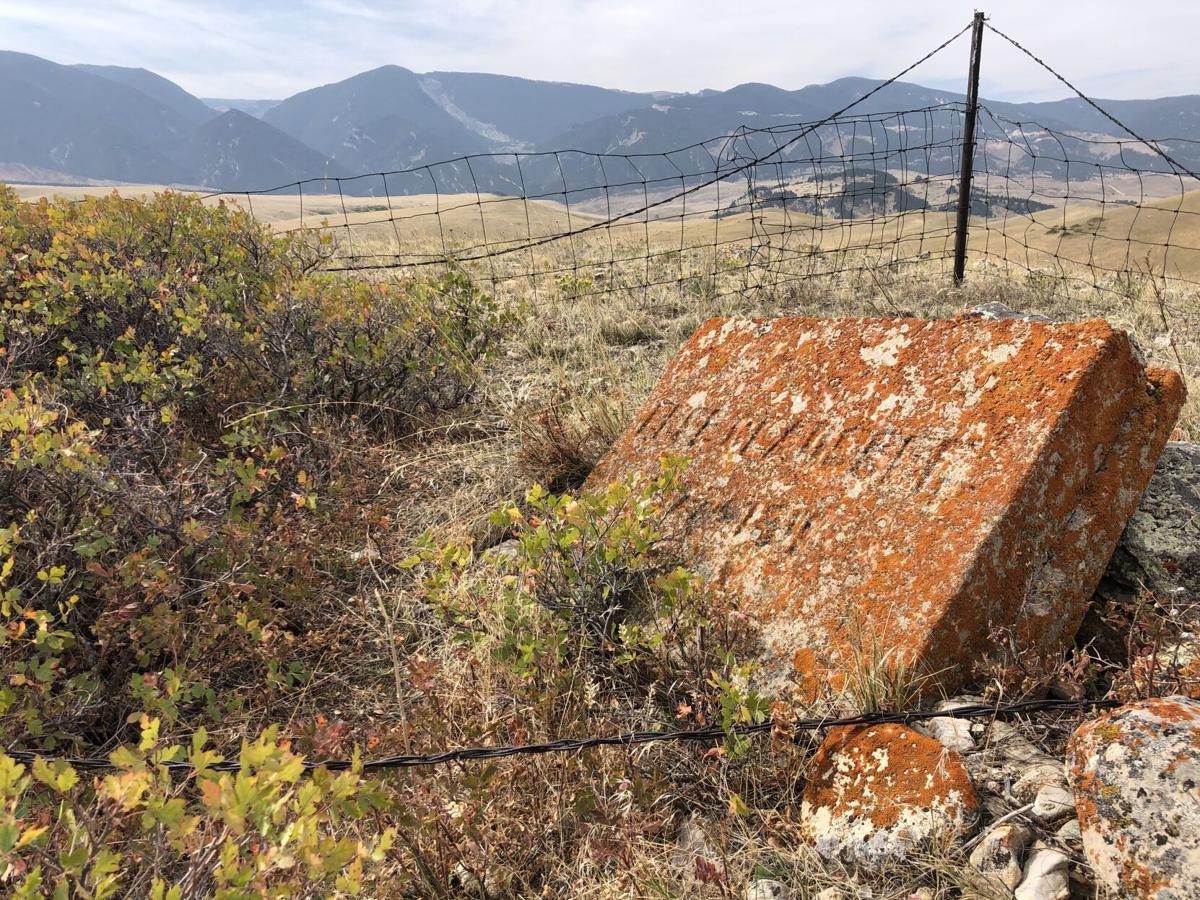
1160	547
916	483
878	792
1136	777
999	855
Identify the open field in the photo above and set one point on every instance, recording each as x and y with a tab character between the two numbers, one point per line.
682	258
1084	238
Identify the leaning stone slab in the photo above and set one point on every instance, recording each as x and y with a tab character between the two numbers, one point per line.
1136	777
927	485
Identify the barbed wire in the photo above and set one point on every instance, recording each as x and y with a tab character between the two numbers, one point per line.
708	734
1092	103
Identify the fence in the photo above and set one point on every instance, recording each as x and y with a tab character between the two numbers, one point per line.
864	189
710	734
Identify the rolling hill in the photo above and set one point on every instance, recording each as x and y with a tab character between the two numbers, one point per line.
238	152
168	93
67	120
377	120
524	112
74	124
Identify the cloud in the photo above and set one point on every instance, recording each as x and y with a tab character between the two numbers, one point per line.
273	48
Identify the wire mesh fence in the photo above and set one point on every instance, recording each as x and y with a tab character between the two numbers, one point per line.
1082	206
744	211
754	209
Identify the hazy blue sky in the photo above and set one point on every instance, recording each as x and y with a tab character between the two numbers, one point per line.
272	48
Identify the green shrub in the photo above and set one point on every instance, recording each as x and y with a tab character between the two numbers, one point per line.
184	397
195	425
269	829
588	579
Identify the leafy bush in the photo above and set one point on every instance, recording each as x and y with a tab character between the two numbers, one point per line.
583	579
579	624
181	392
268	830
194	421
581	608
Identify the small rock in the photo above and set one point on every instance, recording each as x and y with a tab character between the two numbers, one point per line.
1046	875
996	311
694	855
1007	756
490	886
1012	750
921	894
831	893
691	843
1136	776
1054	802
953	734
368	553
879	792
1070	835
504	553
999	854
767	889
1037	778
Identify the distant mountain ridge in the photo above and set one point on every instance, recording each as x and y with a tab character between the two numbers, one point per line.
168	93
112	123
254	108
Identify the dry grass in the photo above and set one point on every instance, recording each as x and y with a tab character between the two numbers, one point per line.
570	375
588	341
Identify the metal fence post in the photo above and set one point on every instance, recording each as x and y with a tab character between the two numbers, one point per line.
968	152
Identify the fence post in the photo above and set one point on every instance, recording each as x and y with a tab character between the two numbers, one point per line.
968	153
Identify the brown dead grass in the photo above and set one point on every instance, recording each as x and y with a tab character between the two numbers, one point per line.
589	339
566	382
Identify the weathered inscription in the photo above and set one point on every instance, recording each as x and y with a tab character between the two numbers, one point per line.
927	484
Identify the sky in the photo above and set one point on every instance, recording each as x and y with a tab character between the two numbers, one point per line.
273	48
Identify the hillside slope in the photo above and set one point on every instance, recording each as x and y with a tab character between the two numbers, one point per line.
237	152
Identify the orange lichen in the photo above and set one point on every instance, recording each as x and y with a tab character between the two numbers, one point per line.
1134	775
919	484
880	771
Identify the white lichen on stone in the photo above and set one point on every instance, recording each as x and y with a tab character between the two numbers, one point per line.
1135	773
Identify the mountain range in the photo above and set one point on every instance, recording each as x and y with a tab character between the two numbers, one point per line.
73	124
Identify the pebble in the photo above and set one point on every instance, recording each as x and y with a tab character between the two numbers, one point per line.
1046	875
